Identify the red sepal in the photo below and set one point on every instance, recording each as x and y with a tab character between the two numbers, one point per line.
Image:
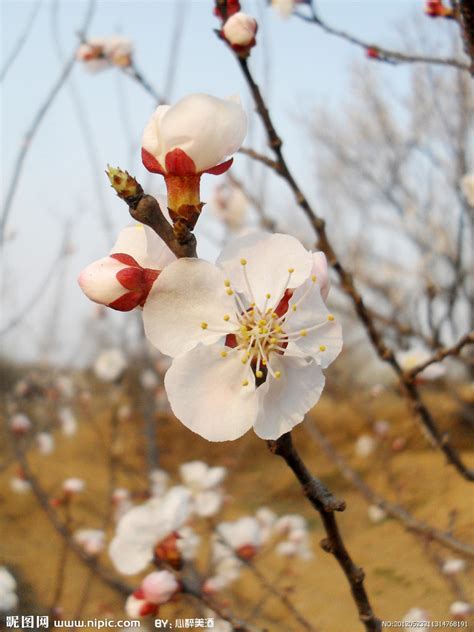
139	594
151	163
126	259
178	163
127	302
282	306
219	169
131	278
148	609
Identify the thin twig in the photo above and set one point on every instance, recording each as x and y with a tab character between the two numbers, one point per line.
467	339
10	60
394	510
325	504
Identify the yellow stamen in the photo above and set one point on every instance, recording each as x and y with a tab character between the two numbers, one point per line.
293	307
303	333
313	278
224	354
227	283
322	347
243	262
278	374
268	295
245	383
259	373
330	317
230	292
226	317
291	270
204	325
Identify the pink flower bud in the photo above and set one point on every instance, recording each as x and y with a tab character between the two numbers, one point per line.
240	30
159	587
20	424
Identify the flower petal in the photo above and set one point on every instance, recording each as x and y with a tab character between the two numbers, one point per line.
188	293
207	128
323	343
207	394
99	281
144	245
320	271
283	403
269	259
152	136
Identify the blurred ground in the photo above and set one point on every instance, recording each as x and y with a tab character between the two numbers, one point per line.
399	574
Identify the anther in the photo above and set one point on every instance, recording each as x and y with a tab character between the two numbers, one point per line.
243	262
322	347
268	295
204	325
303	333
245	383
230	292
224	354
293	307
313	278
227	283
259	374
278	374
291	270
330	317
226	317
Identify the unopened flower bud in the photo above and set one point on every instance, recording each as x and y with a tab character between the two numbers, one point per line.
240	30
124	184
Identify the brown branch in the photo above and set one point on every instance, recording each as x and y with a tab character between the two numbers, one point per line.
394	510
467	339
466	15
326	505
385	353
255	155
380	53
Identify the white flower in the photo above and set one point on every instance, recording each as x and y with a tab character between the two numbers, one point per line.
265	334
100	52
230	204
19	485
156	588
240	30
203	482
67	421
148	379
226	568
8	596
91	540
123	280
244	536
288	523
45	442
416	615
143	527
188	543
382	428
159	480
284	7
413	357
110	364
266	519
65	386
195	135
298	544
376	514
73	485
454	566
365	445
460	609
467	187
20	423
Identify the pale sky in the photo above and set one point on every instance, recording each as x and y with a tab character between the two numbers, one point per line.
297	65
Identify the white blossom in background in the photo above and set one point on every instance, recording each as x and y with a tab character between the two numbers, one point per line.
145	526
413	357
296	543
65	386
121	502
8	596
110	365
284	7
382	428
149	379
230	205
67	421
99	53
20	423
19	484
156	588
453	566
251	340
226	568
460	609
204	483
45	442
73	485
91	540
266	519
159	482
364	446
244	536
419	616
467	187
124	278
376	514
